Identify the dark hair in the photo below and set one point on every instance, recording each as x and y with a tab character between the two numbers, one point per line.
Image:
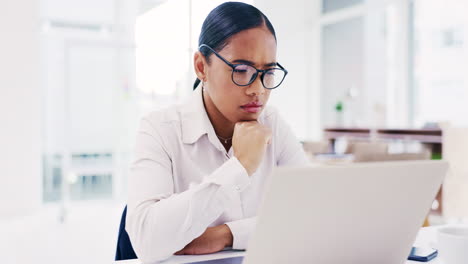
227	20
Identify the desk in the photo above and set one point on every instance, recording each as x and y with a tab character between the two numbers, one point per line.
431	137
426	238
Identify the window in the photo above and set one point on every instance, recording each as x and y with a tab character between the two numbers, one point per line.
440	62
165	43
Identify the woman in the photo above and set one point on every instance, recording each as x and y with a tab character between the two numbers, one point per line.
200	168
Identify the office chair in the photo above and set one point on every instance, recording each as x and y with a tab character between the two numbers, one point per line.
124	246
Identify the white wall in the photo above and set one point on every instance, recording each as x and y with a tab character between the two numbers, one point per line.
342	70
326	56
376	47
88	64
297	97
20	108
82	12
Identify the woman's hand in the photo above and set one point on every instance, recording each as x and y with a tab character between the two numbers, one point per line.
249	143
214	239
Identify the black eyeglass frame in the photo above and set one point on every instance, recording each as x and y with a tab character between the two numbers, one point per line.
254	77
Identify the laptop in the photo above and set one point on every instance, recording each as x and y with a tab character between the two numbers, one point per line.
358	213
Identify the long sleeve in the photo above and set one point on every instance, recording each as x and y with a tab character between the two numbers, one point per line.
161	222
291	152
241	230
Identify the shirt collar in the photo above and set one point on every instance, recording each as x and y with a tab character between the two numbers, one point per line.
195	121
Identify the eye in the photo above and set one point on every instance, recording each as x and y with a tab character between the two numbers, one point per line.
241	68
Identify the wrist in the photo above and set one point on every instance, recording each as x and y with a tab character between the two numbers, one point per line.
246	165
227	235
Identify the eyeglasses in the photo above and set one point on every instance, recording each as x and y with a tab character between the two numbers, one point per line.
244	74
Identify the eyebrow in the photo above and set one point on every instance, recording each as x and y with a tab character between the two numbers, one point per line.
271	64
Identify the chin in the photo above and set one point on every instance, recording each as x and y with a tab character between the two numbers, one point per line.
250	116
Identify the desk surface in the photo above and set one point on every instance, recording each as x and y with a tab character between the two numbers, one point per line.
426	238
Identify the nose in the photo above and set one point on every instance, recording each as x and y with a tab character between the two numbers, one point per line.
256	87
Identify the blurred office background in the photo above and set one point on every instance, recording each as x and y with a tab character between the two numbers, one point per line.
369	80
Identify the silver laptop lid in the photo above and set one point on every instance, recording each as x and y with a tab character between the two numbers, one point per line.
361	213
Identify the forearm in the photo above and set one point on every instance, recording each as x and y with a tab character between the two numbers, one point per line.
160	226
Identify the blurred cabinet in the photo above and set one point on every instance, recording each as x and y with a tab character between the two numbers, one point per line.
432	138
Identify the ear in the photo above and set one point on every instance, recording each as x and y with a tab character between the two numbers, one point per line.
200	65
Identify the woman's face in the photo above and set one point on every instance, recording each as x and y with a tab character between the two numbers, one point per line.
256	47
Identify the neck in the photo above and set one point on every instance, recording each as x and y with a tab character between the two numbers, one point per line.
222	126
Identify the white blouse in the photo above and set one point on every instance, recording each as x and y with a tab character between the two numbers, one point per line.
182	179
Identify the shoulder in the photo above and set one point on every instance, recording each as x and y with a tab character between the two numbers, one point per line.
274	119
269	113
163	124
162	117
271	117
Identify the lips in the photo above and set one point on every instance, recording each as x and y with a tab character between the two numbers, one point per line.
252	107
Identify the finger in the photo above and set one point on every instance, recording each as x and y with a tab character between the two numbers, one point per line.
181	252
247	122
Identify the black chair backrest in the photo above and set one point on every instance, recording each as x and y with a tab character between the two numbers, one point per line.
124	246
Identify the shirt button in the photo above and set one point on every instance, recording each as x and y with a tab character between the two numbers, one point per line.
237	188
